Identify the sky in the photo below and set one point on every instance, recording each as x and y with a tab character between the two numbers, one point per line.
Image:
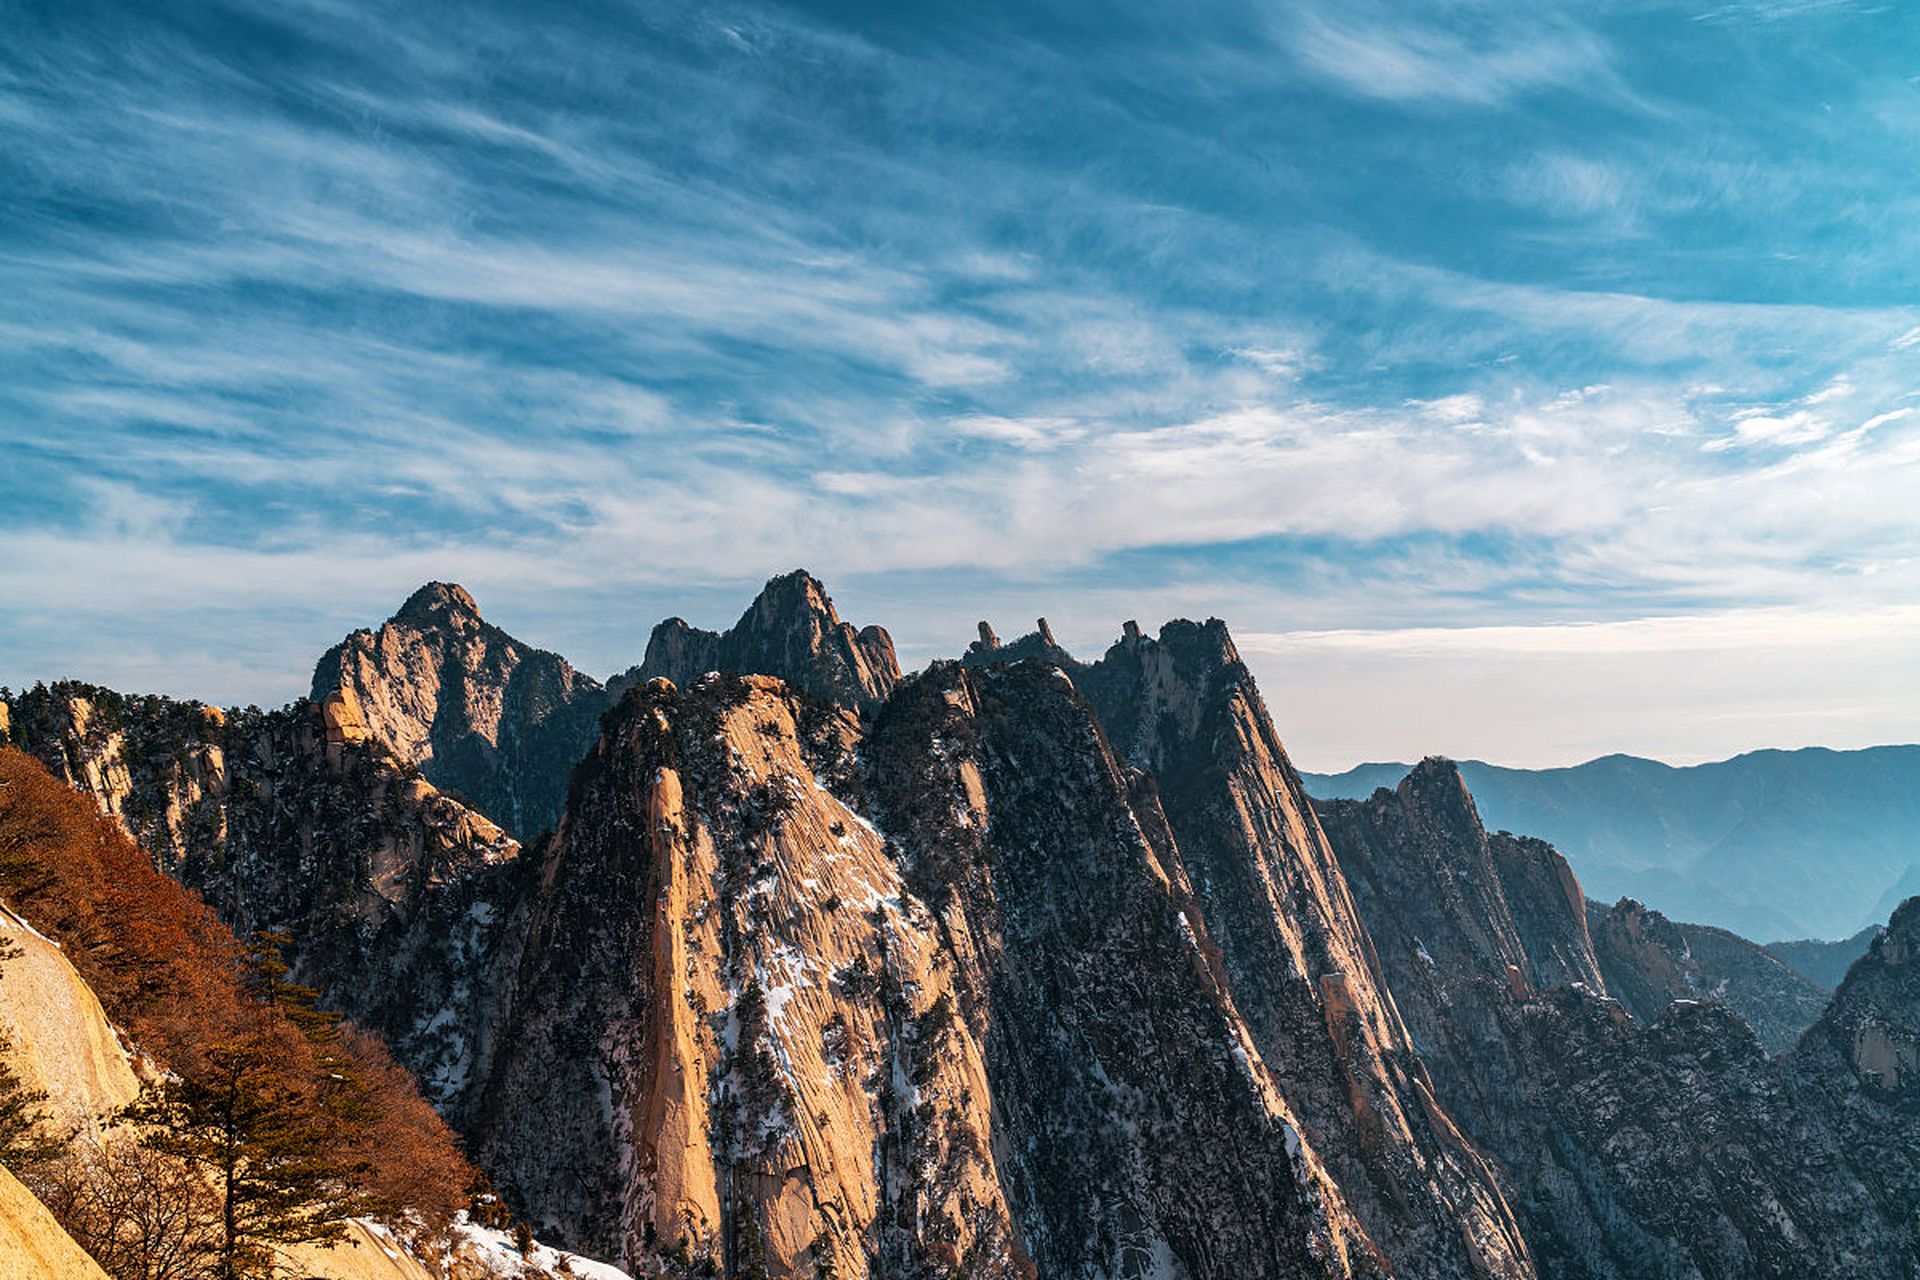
1521	381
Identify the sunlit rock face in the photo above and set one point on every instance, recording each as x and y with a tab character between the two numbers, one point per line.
495	721
792	631
751	1027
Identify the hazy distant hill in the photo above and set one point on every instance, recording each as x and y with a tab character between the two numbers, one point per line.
1771	844
1825	962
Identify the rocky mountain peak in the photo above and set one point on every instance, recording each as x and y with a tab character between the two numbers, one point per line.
793	595
477	711
1435	788
792	631
1038	643
1901	942
442	603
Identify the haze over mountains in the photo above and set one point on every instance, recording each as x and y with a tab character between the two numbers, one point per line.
766	958
1771	844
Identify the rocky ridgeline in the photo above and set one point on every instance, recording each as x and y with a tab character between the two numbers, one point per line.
1020	966
1651	961
1665	1142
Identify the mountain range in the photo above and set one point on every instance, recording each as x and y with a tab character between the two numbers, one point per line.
1771	844
766	958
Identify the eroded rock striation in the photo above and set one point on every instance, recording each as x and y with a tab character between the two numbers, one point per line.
733	1037
1183	708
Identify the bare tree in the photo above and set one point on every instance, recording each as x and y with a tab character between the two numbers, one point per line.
141	1214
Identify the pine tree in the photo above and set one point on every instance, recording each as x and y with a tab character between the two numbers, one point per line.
267	980
342	1091
270	1149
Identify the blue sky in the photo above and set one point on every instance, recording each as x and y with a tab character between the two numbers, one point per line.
1520	380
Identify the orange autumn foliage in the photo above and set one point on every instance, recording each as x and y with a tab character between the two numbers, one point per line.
173	976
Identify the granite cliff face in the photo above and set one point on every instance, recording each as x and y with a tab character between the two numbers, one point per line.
792	631
1183	708
1141	1131
732	1039
481	714
752	1029
1663	1145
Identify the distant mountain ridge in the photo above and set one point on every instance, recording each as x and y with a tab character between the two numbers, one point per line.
1811	843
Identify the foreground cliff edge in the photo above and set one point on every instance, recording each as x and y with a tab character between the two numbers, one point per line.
1019	965
173	994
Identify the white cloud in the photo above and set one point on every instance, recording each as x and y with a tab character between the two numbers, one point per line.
1683	688
1464	54
1720	632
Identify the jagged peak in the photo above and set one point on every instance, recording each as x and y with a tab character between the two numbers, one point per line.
1436	787
1196	649
1208	642
436	601
794	592
1038	643
1441	769
677	625
791	630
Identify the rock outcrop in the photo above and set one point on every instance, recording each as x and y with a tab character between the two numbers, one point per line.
733	1036
1650	961
1038	644
32	1245
792	631
482	715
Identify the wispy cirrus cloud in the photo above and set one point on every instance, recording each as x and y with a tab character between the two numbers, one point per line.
1476	54
613	309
